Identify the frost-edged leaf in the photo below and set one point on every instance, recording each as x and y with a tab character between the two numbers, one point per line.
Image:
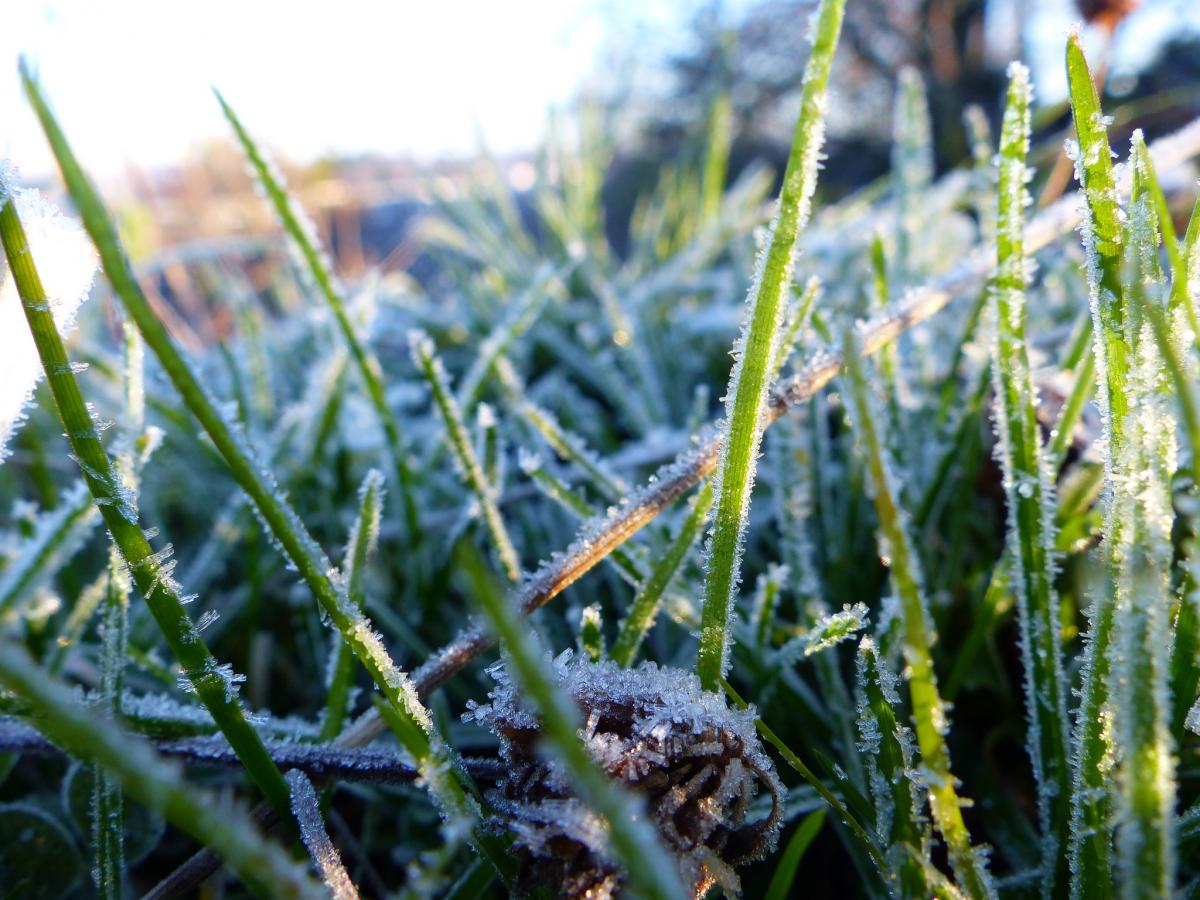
328	862
1029	493
756	351
69	266
833	628
889	747
463	450
1101	231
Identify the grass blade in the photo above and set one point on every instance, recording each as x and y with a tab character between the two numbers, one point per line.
463	449
644	608
151	571
302	233
306	808
1029	490
1090	833
917	635
364	535
783	881
756	349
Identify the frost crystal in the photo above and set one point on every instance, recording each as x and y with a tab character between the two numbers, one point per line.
696	762
66	264
835	627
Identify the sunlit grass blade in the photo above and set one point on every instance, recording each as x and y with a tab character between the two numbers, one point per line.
1144	808
757	348
917	635
150	571
1029	492
636	845
302	233
463	449
153	782
1090	831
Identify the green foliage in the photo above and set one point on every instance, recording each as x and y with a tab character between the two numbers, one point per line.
949	555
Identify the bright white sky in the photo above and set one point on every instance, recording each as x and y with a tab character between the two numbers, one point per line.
130	78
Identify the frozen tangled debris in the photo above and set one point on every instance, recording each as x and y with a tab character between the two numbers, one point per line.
697	763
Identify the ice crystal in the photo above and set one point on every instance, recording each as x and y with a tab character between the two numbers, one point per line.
835	627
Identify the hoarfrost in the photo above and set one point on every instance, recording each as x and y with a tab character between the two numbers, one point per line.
66	264
306	809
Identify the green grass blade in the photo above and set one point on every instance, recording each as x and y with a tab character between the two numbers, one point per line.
783	882
302	233
1090	833
151	571
634	842
716	157
150	780
917	634
890	754
757	349
1144	808
1029	491
363	537
463	449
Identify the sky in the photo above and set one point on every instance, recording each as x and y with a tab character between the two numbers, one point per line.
130	79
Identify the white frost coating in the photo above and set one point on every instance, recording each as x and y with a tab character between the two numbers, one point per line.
835	627
1192	722
66	263
312	831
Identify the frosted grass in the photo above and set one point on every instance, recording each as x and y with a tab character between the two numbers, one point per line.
69	264
1029	492
755	352
917	636
328	862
